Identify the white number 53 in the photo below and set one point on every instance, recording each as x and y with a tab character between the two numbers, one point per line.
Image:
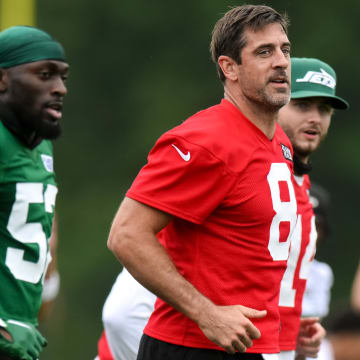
26	194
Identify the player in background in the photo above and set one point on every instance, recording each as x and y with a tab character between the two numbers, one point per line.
206	224
33	70
342	341
306	120
317	296
126	311
316	300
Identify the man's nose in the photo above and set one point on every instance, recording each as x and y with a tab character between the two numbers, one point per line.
314	115
59	86
281	60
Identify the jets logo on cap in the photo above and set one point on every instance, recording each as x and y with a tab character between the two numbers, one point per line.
322	78
286	152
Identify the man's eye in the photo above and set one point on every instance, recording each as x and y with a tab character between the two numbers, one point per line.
264	52
325	109
44	74
302	105
286	51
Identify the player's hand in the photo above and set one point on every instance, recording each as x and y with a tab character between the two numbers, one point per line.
20	341
310	336
230	327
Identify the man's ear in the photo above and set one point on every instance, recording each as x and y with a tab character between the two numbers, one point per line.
228	67
3	80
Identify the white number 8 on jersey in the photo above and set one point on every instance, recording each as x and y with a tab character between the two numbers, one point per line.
285	210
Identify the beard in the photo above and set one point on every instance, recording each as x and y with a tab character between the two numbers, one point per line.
273	101
29	107
305	150
266	100
38	123
48	129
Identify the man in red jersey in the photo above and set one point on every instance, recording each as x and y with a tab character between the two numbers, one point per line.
306	120
206	224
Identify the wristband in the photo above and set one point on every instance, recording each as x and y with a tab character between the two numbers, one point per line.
51	287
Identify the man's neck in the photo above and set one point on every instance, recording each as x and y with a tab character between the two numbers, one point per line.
262	117
301	165
29	138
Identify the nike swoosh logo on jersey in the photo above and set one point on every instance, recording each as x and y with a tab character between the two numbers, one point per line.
183	156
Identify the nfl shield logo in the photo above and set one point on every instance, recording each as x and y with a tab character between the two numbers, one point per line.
48	162
286	152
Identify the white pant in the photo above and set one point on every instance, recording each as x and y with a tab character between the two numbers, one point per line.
271	357
287	355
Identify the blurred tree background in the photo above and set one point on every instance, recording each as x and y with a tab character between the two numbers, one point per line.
139	68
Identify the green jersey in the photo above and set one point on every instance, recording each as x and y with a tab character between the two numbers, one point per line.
27	198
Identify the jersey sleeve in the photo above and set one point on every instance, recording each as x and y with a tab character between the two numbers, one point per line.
182	179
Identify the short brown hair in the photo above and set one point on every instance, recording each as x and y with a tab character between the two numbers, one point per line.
228	33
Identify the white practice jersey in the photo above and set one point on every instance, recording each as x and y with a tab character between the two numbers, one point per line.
316	300
326	352
125	314
317	295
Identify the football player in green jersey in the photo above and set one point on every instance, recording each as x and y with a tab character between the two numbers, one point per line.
33	70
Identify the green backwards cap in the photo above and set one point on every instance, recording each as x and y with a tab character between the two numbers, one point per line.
26	44
314	78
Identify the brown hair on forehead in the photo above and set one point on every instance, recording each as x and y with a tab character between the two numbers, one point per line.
228	33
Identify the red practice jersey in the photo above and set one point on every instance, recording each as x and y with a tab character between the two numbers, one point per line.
230	190
302	251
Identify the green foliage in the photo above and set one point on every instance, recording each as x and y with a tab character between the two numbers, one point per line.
139	68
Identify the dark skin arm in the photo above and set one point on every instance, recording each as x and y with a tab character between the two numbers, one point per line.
46	306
